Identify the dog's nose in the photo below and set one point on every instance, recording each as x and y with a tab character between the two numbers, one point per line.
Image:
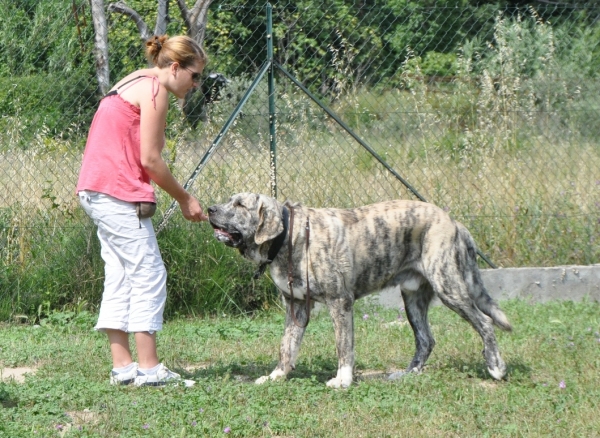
212	209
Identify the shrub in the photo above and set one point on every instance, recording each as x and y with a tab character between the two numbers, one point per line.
57	103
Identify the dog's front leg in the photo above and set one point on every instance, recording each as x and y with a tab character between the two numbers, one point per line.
343	324
290	343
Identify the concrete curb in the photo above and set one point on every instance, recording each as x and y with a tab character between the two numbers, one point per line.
537	285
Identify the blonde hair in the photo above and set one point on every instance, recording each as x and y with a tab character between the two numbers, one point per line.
163	51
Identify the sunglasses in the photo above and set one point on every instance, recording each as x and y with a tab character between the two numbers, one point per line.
195	75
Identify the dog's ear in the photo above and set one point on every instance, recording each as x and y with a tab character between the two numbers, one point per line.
269	220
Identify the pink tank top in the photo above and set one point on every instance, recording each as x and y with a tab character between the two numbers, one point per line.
111	160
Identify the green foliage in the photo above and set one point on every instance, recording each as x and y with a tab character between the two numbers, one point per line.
46	70
206	277
46	50
68	103
439	64
44	273
42	37
47	77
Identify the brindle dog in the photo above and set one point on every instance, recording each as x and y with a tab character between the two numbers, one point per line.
355	252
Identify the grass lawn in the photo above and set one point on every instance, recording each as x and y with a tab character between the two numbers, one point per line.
552	388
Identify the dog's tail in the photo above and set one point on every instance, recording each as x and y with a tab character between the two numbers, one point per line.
477	290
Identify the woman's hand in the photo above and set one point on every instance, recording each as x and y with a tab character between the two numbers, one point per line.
191	209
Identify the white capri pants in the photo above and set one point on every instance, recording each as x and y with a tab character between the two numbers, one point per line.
135	278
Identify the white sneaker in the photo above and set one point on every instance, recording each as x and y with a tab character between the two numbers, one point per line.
160	378
124	378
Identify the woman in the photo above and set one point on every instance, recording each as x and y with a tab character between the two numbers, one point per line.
122	155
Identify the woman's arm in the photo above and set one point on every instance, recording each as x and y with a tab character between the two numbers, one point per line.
152	138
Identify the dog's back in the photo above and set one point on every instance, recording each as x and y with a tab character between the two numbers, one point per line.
381	245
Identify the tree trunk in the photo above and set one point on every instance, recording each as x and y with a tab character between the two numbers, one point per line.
101	45
195	19
163	17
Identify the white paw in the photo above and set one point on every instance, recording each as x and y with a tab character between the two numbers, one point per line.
496	373
343	378
275	375
338	383
261	380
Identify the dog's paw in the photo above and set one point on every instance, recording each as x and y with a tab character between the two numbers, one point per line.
338	383
343	378
275	375
497	373
262	380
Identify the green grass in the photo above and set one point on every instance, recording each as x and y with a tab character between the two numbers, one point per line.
551	343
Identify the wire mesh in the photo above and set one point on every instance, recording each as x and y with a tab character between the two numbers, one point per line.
489	112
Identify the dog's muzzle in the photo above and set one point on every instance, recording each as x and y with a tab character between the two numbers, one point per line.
228	236
231	238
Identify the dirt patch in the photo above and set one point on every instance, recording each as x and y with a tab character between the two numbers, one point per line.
488	384
16	374
362	375
76	420
81	418
197	366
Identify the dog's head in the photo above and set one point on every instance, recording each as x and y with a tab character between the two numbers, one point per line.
246	221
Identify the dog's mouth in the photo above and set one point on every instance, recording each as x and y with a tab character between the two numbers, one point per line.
231	238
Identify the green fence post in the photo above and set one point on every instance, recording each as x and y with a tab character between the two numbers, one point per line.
271	86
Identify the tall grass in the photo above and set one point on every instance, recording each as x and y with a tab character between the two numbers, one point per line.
55	265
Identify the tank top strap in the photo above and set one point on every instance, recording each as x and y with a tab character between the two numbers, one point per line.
130	83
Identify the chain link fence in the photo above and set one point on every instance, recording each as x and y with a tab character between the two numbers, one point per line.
490	113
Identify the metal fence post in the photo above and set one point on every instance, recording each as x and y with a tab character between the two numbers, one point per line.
272	115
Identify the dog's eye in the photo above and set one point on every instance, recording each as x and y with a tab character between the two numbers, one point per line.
237	203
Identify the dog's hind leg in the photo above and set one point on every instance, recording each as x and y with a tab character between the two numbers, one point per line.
416	304
341	311
290	343
452	291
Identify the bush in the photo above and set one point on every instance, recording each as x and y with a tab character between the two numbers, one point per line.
55	103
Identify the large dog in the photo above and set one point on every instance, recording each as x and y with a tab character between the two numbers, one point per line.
351	253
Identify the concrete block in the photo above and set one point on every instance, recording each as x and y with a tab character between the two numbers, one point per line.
537	285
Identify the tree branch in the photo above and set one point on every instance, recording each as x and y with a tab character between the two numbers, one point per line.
185	13
121	8
162	18
100	45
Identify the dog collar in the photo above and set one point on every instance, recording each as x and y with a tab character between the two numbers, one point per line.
276	244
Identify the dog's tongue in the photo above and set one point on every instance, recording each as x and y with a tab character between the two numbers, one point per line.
222	236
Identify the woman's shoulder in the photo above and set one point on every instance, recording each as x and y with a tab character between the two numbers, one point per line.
141	86
134	77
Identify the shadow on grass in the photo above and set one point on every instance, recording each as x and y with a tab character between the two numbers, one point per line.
514	369
6	401
320	369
